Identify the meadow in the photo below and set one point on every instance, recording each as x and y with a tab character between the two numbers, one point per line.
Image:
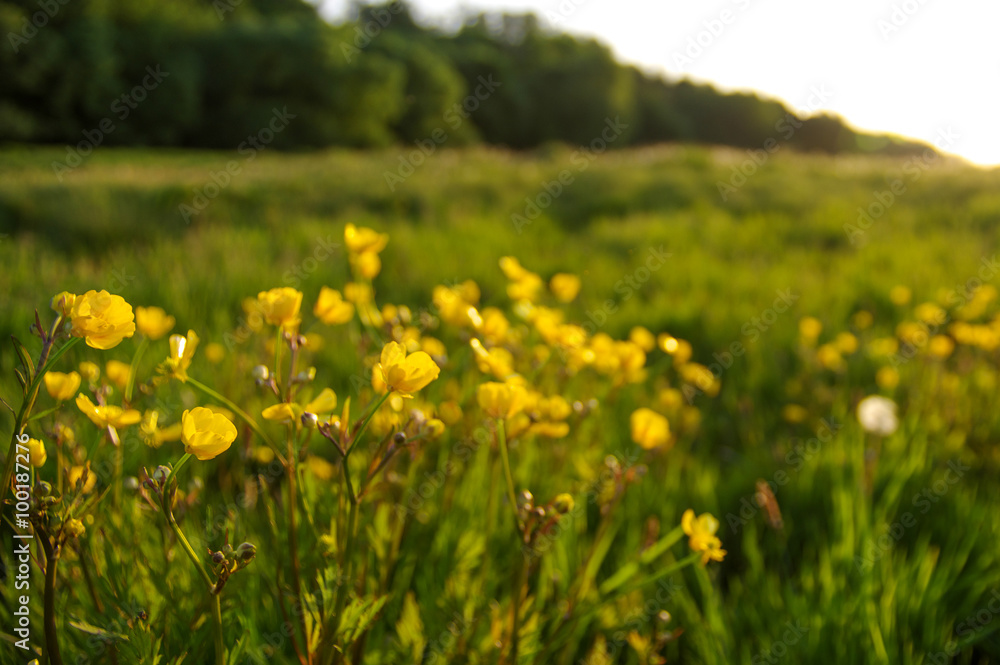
752	304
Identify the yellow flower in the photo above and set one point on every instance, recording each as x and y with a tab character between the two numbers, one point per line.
450	412
103	320
153	322
794	413
62	386
324	403
900	295
887	378
361	239
650	429
331	309
701	535
63	303
153	435
642	338
74	528
89	478
941	346
36	452
863	319
367	264
206	434
846	343
117	372
403	373
181	353
90	371
215	353
564	286
501	400
107	416
280	307
810	328
282	412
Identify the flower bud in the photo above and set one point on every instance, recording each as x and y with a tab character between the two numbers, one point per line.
131	483
218	557
399	438
563	503
260	373
525	500
246	552
43	488
309	419
74	528
306	375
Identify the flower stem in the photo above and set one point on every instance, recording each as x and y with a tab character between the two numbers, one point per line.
130	384
364	425
293	541
29	402
220	647
511	494
51	638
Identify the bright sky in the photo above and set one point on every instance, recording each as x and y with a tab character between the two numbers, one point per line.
919	68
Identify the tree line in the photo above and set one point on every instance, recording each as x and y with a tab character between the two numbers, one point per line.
213	73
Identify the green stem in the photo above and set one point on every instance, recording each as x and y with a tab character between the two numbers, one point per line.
51	638
364	425
293	542
220	647
333	622
242	414
29	402
511	494
133	368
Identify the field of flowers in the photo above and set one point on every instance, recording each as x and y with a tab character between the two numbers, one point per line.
640	419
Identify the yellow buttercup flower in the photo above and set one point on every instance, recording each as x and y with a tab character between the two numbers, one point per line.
564	286
642	338
90	371
181	353
206	434
153	322
331	308
36	452
215	353
324	403
117	372
649	429
63	303
103	320
368	264
405	374
153	435
810	328
89	478
701	535
62	386
361	239
501	400
107	416
74	528
282	411
280	307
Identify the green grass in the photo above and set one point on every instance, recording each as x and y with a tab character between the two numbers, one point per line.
114	223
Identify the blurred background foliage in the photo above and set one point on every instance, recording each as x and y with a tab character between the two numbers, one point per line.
378	79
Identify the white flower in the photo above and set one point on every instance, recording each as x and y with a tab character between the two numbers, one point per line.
878	415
